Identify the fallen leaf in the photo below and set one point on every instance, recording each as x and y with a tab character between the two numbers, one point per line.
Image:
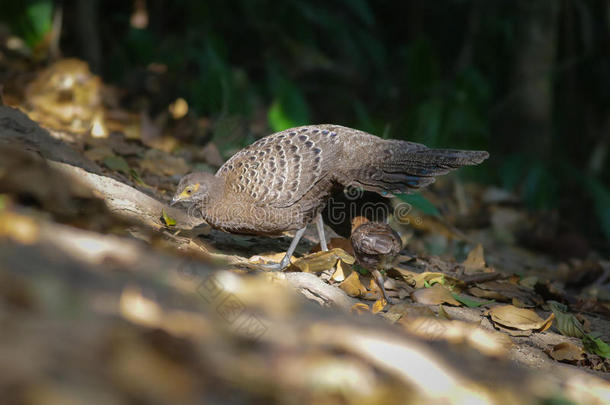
505	291
411	311
320	261
169	221
435	295
352	285
519	318
475	262
518	303
442	313
420	280
470	303
342	272
567	324
596	346
359	308
567	352
98	153
513	332
529	282
379	305
117	163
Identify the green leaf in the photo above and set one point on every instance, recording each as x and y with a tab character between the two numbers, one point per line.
289	109
421	203
596	346
39	16
117	163
567	323
470	303
169	221
135	176
361	270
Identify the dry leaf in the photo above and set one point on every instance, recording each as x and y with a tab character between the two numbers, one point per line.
519	318
379	305
320	261
443	314
352	285
411	311
475	262
505	291
98	153
342	272
435	295
419	280
359	308
566	351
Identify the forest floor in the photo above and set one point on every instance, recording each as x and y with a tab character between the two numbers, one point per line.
108	295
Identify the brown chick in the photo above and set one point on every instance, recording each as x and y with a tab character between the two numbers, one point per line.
376	246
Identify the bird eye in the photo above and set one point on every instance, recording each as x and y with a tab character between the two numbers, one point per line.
189	191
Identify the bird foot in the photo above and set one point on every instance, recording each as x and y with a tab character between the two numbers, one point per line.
272	266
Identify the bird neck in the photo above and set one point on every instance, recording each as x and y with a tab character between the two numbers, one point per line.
216	192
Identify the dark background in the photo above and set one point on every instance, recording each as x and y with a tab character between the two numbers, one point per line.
527	80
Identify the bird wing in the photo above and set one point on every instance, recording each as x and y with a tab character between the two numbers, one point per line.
280	169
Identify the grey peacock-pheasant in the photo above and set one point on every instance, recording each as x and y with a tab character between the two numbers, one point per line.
283	181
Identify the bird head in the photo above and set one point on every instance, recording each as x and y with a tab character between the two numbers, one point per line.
196	187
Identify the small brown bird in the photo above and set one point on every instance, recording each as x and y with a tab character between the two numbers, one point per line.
376	246
282	182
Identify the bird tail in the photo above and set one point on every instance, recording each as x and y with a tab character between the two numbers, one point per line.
394	166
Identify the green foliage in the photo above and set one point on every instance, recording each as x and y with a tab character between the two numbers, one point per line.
470	303
595	345
421	203
31	19
601	200
289	108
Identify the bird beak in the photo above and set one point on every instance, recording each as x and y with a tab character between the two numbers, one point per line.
175	200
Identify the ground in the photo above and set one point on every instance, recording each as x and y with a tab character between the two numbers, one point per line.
108	295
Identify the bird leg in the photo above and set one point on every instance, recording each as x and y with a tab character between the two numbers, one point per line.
320	226
379	280
286	260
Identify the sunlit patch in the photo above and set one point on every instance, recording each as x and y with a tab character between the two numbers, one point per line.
179	108
98	129
19	228
138	309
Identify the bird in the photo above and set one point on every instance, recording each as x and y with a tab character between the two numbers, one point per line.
283	181
376	246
